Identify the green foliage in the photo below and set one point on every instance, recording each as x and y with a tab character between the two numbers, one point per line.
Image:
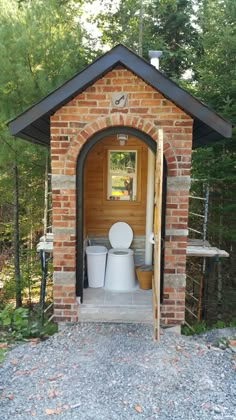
22	323
30	277
166	25
172	26
2	354
16	321
40	46
217	65
233	323
219	324
197	328
202	327
215	73
119	24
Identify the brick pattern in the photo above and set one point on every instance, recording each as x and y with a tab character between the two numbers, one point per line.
73	125
173	308
65	305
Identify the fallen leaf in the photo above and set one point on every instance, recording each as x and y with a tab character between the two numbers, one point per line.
22	372
10	397
14	362
3	345
157	409
34	340
54	378
138	408
232	342
33	413
52	393
50	411
178	348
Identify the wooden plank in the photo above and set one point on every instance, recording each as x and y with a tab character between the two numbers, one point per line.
197	242
199	305
100	213
201	251
157	237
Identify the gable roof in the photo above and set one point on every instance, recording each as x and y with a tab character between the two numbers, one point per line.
34	123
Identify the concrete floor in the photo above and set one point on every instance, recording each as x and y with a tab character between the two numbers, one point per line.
108	306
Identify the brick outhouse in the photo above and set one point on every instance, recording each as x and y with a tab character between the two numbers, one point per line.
118	94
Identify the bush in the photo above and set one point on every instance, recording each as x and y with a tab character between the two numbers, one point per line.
22	323
197	328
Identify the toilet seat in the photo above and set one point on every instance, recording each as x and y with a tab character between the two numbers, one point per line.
120	273
120	235
121	251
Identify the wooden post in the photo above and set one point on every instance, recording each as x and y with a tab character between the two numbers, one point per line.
199	304
157	237
45	218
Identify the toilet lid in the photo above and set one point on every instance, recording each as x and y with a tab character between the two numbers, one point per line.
120	235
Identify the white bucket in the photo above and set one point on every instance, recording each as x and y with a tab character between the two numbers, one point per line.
96	265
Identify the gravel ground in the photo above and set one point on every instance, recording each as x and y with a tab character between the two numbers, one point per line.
116	372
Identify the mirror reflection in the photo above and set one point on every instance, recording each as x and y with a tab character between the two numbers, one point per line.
122	175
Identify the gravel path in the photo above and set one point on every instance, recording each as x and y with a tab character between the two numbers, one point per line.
116	372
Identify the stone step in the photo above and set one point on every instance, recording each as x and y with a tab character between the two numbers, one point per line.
95	313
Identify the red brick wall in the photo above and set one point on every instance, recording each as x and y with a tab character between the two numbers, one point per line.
73	125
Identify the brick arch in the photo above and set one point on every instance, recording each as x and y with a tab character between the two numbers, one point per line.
124	120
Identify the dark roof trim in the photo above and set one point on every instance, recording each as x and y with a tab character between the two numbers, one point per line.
210	123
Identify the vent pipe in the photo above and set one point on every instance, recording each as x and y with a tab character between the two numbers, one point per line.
154	58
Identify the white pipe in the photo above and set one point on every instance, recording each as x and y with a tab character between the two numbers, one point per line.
149	206
154	58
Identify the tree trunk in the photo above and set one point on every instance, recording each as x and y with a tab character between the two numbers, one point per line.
16	236
140	36
219	276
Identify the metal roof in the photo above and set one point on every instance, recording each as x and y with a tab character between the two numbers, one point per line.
34	123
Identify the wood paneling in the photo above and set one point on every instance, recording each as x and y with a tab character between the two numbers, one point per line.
100	213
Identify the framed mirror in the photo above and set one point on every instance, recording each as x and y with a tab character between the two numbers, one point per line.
122	175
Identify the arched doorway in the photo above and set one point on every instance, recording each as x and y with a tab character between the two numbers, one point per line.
91	142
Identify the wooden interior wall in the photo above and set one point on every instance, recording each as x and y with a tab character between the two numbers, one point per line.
100	213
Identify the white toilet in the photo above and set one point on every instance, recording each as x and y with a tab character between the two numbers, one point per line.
120	273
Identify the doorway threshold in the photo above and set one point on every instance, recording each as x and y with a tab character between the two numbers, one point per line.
101	305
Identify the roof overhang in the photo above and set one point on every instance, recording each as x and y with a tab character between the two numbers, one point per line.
34	123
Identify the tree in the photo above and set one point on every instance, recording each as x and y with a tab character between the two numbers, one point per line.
215	84
41	45
171	25
216	74
167	25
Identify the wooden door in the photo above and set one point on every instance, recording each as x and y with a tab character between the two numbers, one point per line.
157	236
